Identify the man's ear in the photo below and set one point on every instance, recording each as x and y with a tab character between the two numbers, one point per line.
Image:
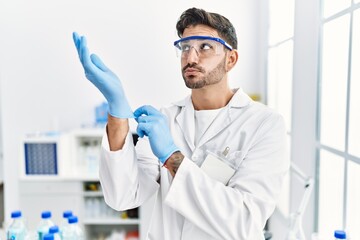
231	59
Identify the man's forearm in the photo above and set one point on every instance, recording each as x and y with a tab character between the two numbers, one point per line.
173	162
117	129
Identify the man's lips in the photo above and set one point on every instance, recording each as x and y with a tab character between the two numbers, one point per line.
191	71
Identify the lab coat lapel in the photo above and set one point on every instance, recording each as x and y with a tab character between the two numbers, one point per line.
186	122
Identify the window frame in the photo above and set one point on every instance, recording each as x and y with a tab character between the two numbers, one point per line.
344	154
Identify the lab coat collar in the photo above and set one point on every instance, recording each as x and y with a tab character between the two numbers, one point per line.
186	118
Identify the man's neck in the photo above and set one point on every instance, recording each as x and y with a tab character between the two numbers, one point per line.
211	97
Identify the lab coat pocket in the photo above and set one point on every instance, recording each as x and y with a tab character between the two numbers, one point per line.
218	168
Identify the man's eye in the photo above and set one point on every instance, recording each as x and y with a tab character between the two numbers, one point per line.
185	48
205	46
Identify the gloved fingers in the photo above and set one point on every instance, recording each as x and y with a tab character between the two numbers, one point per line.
140	133
78	45
98	63
91	63
146	110
76	39
89	66
149	119
142	129
80	42
84	53
140	119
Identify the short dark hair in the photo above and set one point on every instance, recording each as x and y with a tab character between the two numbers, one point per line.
195	16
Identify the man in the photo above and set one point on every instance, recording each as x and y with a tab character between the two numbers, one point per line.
216	159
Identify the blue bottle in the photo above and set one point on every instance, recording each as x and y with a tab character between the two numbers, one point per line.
64	222
45	224
48	236
17	229
339	234
73	231
54	230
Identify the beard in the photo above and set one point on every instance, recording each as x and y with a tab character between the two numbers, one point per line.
213	77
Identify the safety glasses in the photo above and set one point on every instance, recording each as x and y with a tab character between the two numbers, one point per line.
204	46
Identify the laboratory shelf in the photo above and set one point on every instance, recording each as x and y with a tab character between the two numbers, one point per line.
93	194
110	221
77	187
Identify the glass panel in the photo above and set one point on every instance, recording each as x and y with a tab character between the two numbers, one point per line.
280	80
333	6
281	20
353	200
354	121
334	82
284	199
331	191
272	83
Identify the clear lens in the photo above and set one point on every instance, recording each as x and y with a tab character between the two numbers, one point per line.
202	47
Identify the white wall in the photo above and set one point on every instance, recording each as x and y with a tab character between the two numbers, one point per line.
42	83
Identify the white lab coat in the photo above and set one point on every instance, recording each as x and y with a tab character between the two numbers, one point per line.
193	205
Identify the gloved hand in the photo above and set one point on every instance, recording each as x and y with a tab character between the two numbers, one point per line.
104	79
154	124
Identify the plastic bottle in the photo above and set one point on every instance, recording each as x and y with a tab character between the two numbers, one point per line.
54	230
48	236
64	222
17	229
73	231
44	224
339	234
32	235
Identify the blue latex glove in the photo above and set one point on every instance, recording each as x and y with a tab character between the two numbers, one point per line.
154	125
104	79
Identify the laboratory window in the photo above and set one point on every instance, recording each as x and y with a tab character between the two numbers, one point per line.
338	142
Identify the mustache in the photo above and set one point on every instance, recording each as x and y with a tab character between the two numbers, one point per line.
193	65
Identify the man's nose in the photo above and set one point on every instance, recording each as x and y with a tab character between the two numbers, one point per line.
193	55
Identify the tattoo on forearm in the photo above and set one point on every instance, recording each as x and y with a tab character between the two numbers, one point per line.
173	163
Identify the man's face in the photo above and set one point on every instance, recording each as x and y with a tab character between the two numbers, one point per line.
199	71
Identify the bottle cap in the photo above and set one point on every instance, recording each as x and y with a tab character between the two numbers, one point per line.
46	214
54	229
48	236
67	214
16	214
340	234
72	219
